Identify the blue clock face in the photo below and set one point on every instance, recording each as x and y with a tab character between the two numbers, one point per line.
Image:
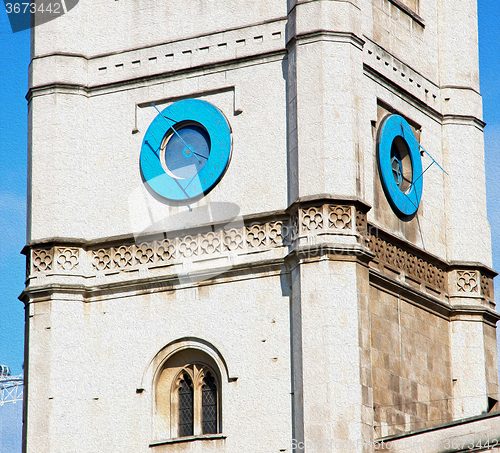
400	165
186	150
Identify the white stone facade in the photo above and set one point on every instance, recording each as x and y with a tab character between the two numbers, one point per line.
325	316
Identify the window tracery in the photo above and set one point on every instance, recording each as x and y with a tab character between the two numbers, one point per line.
187	398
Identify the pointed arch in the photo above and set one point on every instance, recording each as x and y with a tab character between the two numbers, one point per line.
187	393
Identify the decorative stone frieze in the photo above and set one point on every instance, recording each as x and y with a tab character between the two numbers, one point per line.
42	260
154	253
165	250
210	243
467	281
123	256
326	217
144	253
312	219
470	280
67	258
486	286
188	246
101	259
275	235
233	240
256	235
394	257
361	223
406	261
294	228
339	217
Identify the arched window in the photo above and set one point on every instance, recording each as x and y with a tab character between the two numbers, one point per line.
187	397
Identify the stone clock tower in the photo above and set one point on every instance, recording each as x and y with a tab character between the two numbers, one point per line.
255	226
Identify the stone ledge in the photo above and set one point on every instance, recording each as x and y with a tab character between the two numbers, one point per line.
384	63
188	439
429	107
202	51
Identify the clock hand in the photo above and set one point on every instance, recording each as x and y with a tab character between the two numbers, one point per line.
169	125
200	156
175	132
191	180
185	193
152	149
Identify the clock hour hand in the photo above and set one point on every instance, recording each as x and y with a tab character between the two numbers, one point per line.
201	155
188	149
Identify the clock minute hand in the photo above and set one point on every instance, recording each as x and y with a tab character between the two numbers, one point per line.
173	128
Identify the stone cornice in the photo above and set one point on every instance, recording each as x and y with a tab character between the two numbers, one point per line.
149	46
327	35
475	313
87	75
411	294
472	265
430	109
325	197
464	120
389	71
481	430
311	253
148	284
385	68
135	82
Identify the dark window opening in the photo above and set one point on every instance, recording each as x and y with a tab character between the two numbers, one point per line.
209	405
186	407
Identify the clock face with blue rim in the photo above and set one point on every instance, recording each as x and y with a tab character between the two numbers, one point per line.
400	165
186	150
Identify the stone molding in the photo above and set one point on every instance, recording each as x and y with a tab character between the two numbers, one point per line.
394	74
464	120
406	262
381	64
308	227
160	60
327	35
437	305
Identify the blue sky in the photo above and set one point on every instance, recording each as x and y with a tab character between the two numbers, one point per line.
489	60
14	60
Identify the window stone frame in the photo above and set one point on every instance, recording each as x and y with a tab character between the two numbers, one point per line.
196	372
